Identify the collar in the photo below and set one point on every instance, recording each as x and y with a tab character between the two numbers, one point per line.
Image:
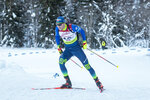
65	27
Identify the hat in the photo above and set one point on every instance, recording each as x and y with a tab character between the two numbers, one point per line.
60	19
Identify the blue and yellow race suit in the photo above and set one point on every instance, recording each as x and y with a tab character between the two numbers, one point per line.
72	47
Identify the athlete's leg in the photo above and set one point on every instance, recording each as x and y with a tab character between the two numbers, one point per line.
66	55
62	60
82	57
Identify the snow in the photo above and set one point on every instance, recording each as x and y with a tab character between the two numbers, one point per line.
23	69
33	15
14	15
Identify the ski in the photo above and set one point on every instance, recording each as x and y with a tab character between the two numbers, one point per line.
57	88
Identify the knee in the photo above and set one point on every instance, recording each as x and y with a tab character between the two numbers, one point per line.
90	69
62	61
87	66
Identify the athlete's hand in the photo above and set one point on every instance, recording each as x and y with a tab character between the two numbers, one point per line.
60	50
84	45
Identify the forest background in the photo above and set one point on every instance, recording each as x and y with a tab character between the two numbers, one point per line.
31	23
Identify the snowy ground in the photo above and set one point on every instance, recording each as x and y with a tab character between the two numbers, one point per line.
23	69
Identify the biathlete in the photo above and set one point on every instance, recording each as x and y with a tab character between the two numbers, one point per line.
68	33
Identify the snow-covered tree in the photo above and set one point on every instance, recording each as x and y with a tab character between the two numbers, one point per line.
49	11
31	23
134	15
14	35
32	13
2	14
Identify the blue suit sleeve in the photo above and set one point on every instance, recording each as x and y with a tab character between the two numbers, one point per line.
78	29
57	36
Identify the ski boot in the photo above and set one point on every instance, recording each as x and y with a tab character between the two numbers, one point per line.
99	84
67	84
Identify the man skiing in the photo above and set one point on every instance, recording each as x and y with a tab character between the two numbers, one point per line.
68	33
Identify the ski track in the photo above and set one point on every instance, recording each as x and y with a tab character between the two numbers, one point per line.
19	72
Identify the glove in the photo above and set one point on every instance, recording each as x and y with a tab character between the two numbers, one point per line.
60	50
84	45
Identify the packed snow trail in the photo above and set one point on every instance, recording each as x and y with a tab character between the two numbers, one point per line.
23	69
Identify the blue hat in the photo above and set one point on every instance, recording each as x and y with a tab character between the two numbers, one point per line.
60	19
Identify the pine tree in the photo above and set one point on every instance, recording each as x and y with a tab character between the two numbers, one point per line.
2	14
49	13
132	27
14	35
32	23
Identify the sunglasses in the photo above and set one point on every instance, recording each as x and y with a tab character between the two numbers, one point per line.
59	24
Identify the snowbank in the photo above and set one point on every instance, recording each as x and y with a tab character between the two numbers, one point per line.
36	68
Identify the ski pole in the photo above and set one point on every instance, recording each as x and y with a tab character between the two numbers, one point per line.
103	58
76	63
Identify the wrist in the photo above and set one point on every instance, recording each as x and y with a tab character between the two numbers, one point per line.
58	46
84	41
84	44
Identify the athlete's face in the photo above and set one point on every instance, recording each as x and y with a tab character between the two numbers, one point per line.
61	26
